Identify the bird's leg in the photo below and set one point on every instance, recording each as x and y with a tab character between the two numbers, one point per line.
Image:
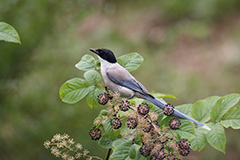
130	97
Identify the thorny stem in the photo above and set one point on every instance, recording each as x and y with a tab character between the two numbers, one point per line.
108	154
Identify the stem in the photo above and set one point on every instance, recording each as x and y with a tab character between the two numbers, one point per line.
108	154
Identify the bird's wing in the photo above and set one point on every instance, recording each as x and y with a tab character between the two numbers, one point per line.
122	77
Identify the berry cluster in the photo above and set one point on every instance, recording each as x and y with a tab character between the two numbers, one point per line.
157	142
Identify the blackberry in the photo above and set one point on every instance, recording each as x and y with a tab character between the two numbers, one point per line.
103	98
145	150
174	123
116	123
131	123
168	109
184	144
158	155
95	133
124	105
184	152
143	109
147	126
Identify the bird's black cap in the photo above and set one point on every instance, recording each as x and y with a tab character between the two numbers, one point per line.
105	54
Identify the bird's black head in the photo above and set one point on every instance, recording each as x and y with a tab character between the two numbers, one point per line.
105	54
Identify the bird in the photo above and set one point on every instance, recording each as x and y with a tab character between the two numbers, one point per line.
118	79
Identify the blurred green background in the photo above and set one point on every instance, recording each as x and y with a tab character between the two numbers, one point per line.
191	50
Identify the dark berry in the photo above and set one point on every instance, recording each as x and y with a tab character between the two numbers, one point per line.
143	109
147	126
158	155
103	98
116	123
184	152
174	123
183	144
168	109
124	105
145	150
131	123
95	133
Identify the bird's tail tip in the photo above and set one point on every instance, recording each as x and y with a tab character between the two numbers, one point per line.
206	127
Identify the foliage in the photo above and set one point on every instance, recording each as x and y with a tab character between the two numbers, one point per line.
8	33
216	112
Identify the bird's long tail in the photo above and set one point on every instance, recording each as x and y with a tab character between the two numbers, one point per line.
176	112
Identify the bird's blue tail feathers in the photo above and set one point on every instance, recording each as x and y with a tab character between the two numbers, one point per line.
177	113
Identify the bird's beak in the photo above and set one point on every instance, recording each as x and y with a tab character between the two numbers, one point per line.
94	50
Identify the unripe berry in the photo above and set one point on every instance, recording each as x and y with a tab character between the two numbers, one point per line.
174	123
124	105
143	109
184	152
147	126
168	109
158	155
95	133
131	123
103	98
145	150
116	123
184	144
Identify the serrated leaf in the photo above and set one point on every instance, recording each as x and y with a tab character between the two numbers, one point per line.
121	152
185	108
216	137
118	142
74	90
165	121
92	96
186	129
231	118
93	77
8	33
200	110
198	141
132	152
86	63
130	61
223	105
106	141
109	130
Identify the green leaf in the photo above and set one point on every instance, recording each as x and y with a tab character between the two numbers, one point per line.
93	77
74	90
86	63
109	130
8	33
231	118
130	61
92	96
132	152
186	129
216	137
201	109
119	141
121	152
223	105
185	108
198	141
106	141
165	121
